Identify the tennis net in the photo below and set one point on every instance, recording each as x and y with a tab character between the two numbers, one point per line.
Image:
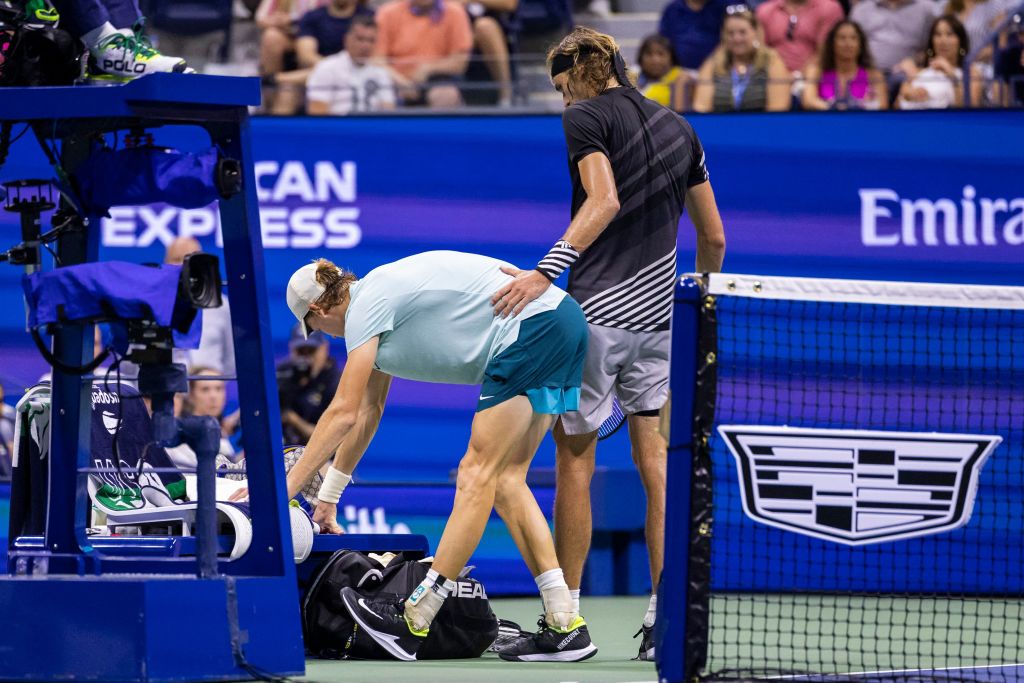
857	493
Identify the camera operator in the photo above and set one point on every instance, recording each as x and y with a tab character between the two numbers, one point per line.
306	382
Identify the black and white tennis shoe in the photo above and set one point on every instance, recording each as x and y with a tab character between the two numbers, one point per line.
383	619
550	644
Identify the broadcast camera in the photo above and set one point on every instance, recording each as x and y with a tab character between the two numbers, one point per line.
150	309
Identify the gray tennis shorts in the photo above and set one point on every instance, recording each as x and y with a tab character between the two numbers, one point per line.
630	366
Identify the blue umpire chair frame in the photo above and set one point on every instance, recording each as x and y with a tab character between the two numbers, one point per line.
121	609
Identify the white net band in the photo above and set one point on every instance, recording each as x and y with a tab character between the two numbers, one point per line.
866	291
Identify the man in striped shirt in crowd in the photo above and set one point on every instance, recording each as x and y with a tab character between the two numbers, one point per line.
634	166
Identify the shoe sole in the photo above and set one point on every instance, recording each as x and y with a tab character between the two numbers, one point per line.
385	640
108	79
566	656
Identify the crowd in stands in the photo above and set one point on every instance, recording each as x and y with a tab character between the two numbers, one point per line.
336	57
344	56
708	55
818	54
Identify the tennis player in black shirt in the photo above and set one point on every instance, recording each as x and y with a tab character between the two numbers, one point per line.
635	165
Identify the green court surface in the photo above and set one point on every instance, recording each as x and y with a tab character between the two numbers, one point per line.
612	622
975	639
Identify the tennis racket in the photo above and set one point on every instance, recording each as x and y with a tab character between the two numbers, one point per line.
618	418
309	491
613	423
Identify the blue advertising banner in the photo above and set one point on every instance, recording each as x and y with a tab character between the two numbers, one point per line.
917	196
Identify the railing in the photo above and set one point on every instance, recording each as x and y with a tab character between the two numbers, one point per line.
532	91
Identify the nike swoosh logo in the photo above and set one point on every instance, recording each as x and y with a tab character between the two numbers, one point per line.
362	603
484	398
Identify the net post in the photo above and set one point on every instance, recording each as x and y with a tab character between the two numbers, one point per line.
677	661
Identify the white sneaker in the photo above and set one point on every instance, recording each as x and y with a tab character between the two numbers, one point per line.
127	54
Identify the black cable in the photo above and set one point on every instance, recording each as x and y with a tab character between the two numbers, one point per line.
61	365
56	259
15	138
140	466
235	633
21	134
116	369
53	156
66	219
56	147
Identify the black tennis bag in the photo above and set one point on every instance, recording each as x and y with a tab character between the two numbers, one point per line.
464	627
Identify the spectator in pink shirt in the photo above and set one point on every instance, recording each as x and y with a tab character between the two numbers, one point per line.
797	28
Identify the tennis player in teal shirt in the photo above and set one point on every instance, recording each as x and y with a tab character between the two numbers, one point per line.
429	317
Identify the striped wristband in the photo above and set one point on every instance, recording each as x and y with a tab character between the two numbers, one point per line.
561	256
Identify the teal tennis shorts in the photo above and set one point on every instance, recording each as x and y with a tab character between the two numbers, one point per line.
545	363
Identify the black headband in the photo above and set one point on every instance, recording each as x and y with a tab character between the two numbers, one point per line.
561	63
619	67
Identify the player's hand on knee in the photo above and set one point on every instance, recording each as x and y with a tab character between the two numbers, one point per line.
512	298
326	515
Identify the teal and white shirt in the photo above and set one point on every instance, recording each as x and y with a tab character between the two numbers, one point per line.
434	316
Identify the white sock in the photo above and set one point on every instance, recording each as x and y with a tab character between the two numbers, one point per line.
554	592
575	595
652	611
426	600
92	38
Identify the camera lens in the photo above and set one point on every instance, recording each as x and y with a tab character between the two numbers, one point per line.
200	280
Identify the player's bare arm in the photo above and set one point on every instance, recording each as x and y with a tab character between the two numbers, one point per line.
352	449
340	417
594	216
703	212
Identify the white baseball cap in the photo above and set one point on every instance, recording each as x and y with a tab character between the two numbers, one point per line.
303	290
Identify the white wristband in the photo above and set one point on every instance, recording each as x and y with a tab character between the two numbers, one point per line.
334	483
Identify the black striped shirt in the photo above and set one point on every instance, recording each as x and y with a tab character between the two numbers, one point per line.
626	277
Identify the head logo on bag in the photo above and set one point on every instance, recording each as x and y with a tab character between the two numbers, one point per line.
857	487
469	589
464	627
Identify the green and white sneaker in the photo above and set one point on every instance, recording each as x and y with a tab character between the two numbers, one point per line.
39	15
127	54
550	644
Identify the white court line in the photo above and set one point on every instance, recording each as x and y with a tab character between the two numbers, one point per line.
895	671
